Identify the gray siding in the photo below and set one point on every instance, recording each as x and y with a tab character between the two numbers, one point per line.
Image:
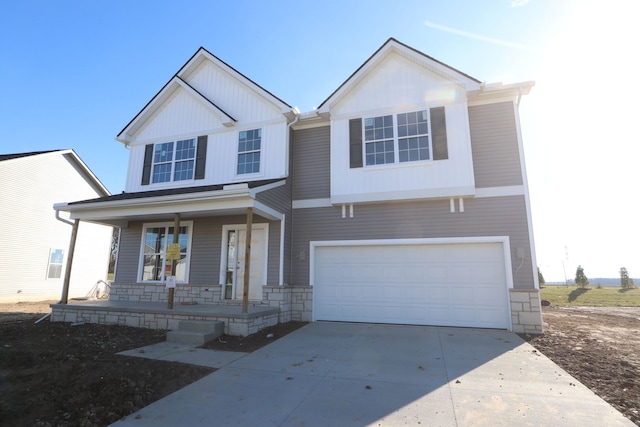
504	216
129	253
310	165
205	250
494	142
279	198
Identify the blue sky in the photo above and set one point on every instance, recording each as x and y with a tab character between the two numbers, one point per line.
75	72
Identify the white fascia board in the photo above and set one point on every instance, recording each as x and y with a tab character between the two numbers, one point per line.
85	168
454	75
431	193
226	119
496	92
283	107
267	212
161	209
126	135
266	187
157	204
513	190
311	203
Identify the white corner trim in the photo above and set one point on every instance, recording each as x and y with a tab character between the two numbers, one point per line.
312	203
514	190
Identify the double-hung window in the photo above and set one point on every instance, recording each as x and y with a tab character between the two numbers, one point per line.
249	146
154	267
404	137
174	161
56	257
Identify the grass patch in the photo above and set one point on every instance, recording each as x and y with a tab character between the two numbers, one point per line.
595	297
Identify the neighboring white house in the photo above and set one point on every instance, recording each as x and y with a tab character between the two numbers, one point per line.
34	243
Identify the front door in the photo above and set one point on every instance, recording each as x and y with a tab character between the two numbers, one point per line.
234	241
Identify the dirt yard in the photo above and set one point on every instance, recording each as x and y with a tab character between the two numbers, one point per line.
600	347
57	374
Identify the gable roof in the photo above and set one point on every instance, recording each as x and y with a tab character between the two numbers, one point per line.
72	156
179	80
19	155
393	44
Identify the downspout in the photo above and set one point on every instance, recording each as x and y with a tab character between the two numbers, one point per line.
290	154
59	218
66	221
519	97
64	298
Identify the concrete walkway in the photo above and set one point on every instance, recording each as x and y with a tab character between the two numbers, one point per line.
345	374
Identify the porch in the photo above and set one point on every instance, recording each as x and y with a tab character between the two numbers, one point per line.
155	315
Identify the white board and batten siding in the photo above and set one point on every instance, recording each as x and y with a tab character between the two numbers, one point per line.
441	282
407	86
184	115
30	186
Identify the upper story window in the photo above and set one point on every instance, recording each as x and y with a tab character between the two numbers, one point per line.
174	161
402	136
249	146
181	160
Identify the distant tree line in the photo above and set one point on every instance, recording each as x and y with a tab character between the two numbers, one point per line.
582	281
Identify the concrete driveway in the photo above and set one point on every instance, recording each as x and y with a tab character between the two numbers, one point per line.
348	374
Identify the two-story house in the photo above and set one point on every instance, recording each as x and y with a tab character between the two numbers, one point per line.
401	199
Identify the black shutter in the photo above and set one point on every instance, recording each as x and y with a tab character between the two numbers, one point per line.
439	134
355	143
148	160
201	157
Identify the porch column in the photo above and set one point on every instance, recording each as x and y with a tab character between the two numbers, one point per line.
67	271
247	262
176	239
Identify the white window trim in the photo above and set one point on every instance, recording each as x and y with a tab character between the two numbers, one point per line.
224	253
262	156
396	140
174	161
167	224
49	263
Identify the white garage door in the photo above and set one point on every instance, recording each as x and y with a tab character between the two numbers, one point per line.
460	284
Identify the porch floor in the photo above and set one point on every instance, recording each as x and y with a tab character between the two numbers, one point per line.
157	316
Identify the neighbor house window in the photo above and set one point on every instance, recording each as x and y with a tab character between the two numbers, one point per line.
174	161
404	137
56	257
249	145
154	267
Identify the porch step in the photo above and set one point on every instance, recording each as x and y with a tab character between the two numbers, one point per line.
196	332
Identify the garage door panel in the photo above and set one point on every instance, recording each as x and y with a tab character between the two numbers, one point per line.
439	284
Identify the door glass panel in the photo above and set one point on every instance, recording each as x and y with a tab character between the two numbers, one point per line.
231	264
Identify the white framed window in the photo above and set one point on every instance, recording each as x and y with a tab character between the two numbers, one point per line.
397	138
174	161
153	265
249	148
56	258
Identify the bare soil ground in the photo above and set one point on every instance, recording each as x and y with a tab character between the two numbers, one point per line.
56	374
600	347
